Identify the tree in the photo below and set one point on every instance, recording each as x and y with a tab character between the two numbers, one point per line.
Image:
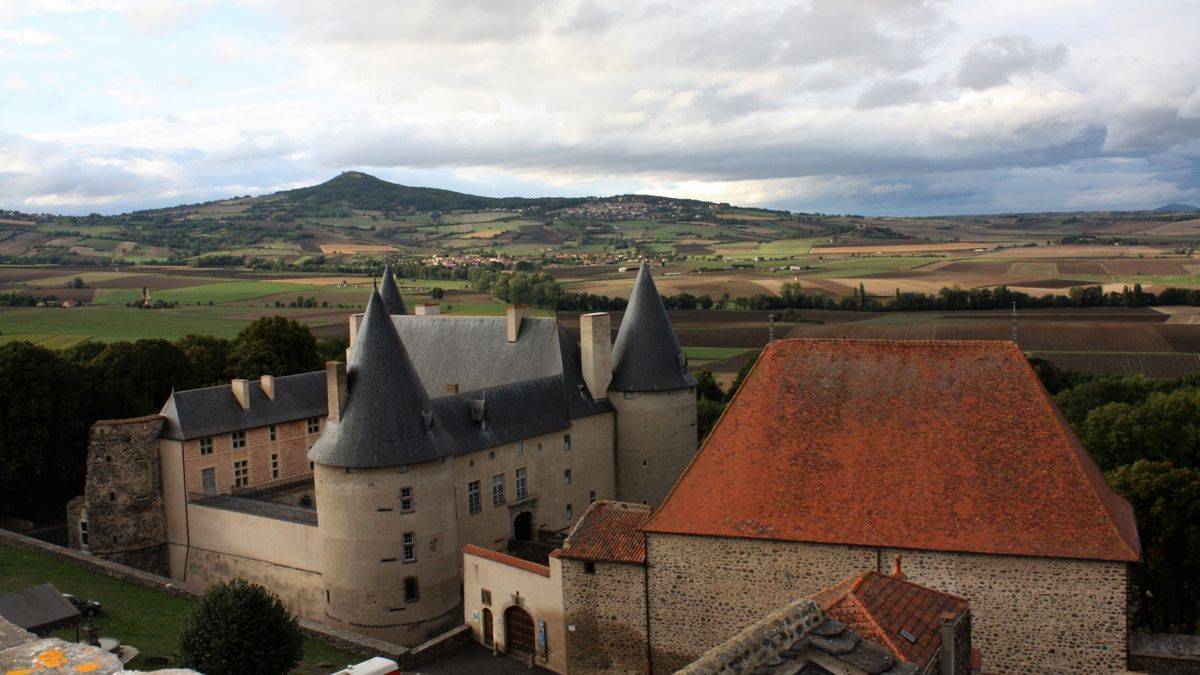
437	293
708	412
1165	587
239	627
273	345
44	420
209	356
77	282
138	377
1078	401
1165	426
708	387
740	377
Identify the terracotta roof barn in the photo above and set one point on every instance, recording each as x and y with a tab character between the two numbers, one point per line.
646	354
608	532
388	420
391	294
892	611
931	445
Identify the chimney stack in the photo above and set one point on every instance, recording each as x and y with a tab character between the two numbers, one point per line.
946	664
336	389
429	309
267	383
241	391
595	343
516	314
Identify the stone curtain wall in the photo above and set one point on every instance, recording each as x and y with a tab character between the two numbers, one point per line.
1033	614
704	590
608	610
123	495
1029	615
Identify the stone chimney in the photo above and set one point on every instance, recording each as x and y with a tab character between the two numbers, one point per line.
336	389
896	571
516	314
429	309
595	344
355	322
946	664
241	391
267	383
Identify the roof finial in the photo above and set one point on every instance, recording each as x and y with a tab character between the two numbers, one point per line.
896	571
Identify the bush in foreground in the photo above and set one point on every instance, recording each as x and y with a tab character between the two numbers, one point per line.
239	627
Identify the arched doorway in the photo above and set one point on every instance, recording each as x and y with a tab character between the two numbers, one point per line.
523	527
518	631
488	628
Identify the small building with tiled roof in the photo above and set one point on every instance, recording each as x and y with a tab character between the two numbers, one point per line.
608	532
836	455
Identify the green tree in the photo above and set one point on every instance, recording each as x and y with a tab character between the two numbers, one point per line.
273	345
44	420
138	377
1079	400
437	293
239	627
1165	426
740	377
209	356
708	412
1164	586
708	387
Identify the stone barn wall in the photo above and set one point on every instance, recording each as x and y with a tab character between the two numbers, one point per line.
608	610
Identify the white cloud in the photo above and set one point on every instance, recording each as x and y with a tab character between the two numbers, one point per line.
26	36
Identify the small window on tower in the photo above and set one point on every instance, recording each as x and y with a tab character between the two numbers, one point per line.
567	477
274	465
238	439
520	448
410	547
314	425
566	442
406	499
570	512
206	446
410	589
271	435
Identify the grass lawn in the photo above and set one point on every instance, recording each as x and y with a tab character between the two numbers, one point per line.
147	619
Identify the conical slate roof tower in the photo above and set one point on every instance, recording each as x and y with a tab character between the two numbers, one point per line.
387	420
646	355
391	294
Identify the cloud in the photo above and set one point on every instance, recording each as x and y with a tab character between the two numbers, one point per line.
26	36
995	61
885	93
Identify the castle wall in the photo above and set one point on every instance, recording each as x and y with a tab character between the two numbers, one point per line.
607	608
283	556
122	502
656	439
507	586
291	444
590	461
362	526
1029	614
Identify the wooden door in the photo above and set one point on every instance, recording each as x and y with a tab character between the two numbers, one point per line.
488	629
518	631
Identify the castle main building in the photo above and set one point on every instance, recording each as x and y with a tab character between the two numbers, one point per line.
352	492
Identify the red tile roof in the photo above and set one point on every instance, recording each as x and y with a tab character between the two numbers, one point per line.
504	558
609	532
878	607
936	445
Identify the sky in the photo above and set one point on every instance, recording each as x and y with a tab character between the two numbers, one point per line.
878	107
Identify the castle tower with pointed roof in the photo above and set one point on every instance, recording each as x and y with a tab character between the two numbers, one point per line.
390	294
654	396
386	572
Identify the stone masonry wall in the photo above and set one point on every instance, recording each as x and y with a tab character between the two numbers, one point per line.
123	497
1029	615
608	610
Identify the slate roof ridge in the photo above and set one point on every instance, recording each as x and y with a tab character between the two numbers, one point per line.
646	355
390	294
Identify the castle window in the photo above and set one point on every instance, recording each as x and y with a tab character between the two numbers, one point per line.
274	465
567	477
410	547
241	473
410	589
498	489
271	433
314	425
474	503
112	496
406	500
238	438
326	595
522	484
566	442
520	448
591	496
206	446
589	568
83	533
570	512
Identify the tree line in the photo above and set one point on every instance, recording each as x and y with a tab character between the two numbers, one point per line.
49	399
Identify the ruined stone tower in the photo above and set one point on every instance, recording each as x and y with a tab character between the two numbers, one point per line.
654	396
384	487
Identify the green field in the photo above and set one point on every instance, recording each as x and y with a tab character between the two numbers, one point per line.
109	323
143	618
220	292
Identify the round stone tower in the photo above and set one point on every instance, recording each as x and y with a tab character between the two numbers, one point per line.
385	495
654	397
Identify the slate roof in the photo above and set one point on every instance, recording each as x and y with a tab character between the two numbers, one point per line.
608	532
39	609
391	294
783	643
879	606
646	354
385	419
935	445
210	411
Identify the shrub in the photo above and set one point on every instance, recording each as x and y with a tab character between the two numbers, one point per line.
239	627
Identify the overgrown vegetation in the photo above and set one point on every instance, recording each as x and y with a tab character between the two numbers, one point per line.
238	623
